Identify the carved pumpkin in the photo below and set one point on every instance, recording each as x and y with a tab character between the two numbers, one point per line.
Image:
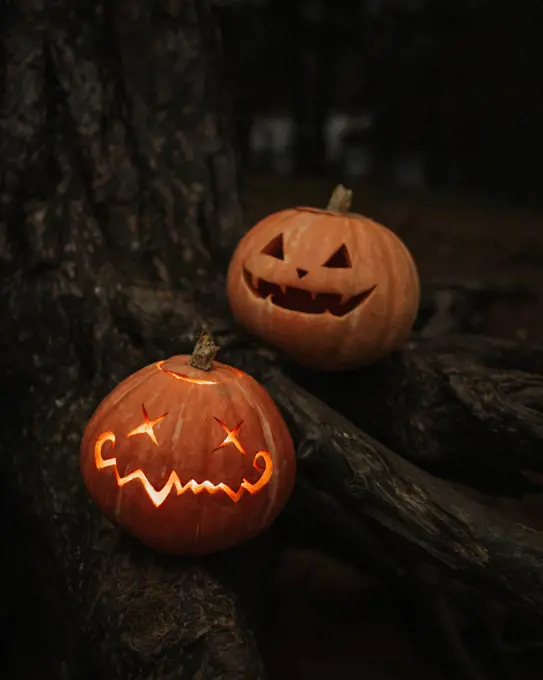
188	455
333	289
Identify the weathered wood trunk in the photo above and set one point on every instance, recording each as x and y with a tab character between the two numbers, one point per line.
119	211
115	165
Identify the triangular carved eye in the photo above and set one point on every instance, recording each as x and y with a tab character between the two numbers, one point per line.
275	248
340	259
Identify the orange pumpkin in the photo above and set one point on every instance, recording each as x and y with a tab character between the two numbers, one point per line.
188	455
333	289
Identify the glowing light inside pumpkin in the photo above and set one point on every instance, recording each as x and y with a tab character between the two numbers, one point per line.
147	426
195	381
158	496
186	378
231	437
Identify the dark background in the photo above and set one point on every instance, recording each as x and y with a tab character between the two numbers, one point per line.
432	112
418	93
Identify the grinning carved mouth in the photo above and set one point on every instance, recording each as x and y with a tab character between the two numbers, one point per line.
299	300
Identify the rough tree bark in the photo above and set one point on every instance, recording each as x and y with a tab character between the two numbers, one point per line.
467	408
115	164
119	210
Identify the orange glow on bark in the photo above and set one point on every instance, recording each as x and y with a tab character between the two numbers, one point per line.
147	426
158	496
231	437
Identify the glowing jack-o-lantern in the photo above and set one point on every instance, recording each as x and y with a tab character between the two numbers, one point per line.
188	455
333	289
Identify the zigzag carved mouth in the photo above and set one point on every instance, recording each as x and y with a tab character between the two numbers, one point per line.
300	300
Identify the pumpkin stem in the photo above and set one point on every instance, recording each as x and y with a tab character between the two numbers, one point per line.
340	200
204	352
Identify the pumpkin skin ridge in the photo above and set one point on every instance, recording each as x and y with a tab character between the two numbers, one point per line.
400	335
213	515
269	436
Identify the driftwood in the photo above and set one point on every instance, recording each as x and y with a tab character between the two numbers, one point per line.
119	212
463	407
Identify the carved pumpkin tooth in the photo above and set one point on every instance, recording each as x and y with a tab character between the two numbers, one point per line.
344	299
283	289
313	295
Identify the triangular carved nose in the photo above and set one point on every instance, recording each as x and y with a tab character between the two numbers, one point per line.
301	273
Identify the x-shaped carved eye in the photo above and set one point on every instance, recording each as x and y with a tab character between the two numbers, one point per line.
340	259
275	248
